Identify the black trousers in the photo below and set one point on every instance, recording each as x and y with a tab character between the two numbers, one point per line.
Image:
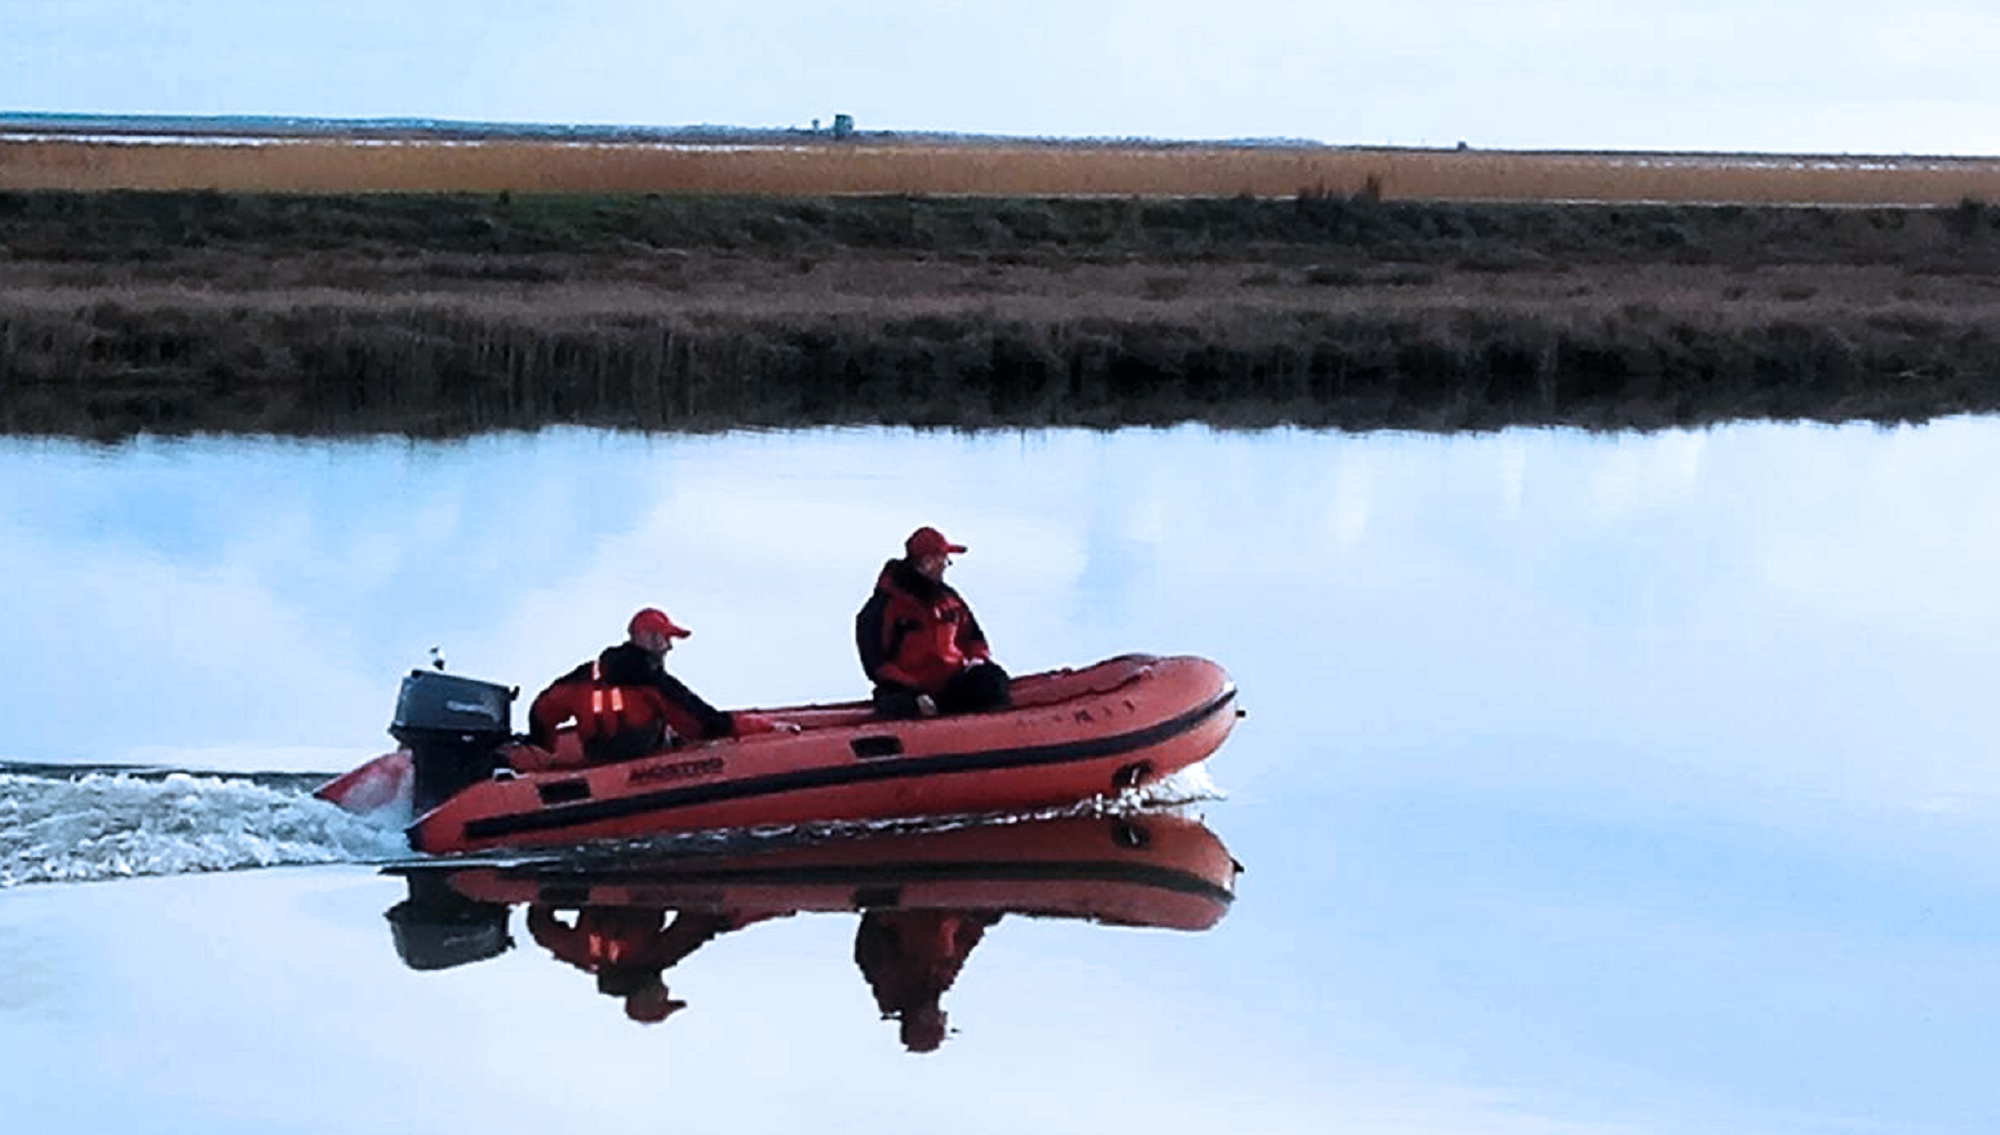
974	689
626	744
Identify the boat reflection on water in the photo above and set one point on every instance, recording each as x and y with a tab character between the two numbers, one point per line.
925	899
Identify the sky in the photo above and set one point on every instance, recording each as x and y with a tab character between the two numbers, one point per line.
1787	76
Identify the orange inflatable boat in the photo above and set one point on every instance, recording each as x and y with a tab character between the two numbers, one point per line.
1145	869
1070	735
921	896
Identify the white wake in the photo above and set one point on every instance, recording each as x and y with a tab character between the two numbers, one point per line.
108	825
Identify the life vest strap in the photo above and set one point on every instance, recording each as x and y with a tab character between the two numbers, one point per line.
607	703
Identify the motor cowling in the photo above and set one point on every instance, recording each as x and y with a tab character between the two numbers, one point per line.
437	928
453	727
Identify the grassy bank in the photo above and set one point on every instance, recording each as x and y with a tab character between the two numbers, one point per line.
441	315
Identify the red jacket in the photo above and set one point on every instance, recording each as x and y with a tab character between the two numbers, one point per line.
916	632
611	936
910	957
625	704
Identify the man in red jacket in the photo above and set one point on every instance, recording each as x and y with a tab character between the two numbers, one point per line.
918	640
626	704
910	957
629	950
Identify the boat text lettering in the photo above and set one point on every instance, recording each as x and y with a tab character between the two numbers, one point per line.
676	770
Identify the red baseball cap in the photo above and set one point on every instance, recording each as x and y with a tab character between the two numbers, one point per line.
922	1028
929	541
655	620
651	1005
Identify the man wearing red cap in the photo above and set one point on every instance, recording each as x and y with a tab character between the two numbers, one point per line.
910	958
918	640
626	704
629	950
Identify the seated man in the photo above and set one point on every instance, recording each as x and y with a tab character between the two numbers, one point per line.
918	640
629	950
626	704
910	957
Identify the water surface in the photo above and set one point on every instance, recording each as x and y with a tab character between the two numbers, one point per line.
1589	783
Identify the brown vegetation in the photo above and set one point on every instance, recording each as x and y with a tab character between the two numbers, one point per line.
822	168
441	314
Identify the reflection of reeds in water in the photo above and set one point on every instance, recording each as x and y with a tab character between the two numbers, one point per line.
442	315
443	372
999	170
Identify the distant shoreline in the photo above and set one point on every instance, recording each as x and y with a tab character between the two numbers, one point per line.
14	124
277	127
440	315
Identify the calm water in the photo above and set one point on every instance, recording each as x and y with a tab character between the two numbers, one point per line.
1589	784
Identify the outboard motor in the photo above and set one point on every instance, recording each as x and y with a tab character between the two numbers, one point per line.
438	928
454	728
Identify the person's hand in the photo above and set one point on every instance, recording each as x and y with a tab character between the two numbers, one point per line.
926	705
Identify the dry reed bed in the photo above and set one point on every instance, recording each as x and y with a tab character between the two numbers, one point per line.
435	315
323	166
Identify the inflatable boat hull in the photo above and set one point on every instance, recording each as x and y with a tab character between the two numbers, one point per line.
1071	735
1156	870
